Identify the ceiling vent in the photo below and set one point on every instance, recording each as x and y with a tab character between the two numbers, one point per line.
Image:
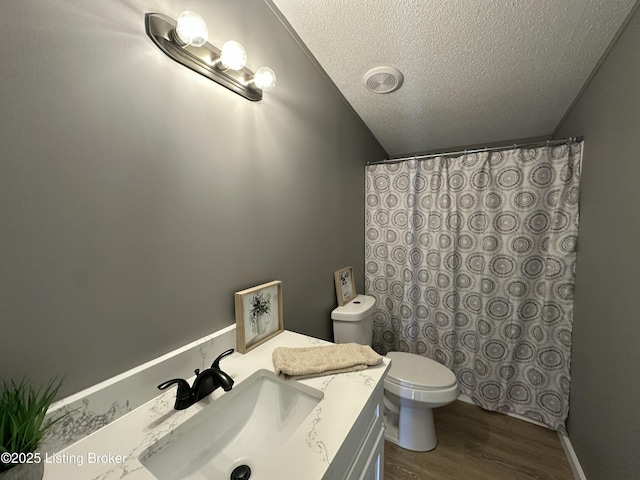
383	79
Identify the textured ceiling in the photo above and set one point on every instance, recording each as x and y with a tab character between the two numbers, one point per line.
475	71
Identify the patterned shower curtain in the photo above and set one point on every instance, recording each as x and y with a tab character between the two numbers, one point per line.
471	260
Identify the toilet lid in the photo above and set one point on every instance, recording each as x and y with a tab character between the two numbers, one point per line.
411	370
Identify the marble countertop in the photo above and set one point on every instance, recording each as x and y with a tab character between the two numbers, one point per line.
112	452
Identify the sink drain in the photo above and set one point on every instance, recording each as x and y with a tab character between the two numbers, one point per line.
241	472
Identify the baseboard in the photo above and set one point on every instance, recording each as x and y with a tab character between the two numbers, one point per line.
578	473
576	468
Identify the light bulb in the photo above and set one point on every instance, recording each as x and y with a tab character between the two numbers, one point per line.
233	56
264	79
191	29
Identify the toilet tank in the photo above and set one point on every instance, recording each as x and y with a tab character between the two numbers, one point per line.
353	322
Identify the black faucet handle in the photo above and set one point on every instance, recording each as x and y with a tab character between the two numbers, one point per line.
216	362
184	395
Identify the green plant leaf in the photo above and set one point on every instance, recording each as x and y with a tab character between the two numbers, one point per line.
22	415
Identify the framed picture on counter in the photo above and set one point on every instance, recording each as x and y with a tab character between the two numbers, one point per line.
345	285
258	315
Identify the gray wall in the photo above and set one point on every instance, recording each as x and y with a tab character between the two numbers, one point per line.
604	419
136	196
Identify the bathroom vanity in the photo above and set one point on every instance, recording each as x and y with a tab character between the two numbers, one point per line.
332	428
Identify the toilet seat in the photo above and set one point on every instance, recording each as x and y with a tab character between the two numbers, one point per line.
420	379
415	371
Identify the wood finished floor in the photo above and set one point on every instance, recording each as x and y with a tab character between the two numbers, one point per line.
474	444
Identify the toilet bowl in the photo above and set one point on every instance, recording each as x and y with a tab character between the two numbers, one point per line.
412	388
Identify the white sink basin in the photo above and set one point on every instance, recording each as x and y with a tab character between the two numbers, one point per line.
243	427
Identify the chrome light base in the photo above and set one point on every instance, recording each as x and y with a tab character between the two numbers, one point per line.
160	29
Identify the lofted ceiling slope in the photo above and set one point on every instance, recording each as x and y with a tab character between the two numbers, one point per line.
475	71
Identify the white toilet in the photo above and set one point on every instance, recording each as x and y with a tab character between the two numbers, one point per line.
412	388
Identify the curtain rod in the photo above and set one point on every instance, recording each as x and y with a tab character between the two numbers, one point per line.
479	150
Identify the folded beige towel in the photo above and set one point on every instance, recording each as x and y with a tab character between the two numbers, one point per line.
324	360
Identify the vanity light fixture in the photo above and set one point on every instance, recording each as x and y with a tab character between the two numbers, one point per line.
185	41
232	56
191	29
264	79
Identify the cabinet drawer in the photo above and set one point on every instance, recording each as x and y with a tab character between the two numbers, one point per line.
367	459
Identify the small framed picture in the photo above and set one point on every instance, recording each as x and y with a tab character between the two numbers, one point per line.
345	285
258	315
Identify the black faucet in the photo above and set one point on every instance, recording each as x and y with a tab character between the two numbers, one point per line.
205	383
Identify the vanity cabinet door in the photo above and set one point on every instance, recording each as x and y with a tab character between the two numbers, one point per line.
369	461
374	467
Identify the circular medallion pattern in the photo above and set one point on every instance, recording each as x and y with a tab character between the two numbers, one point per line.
495	350
381	183
499	308
449	341
444	201
470	341
467	378
509	178
538	222
506	372
423	276
463	281
443	281
551	402
484	327
424	240
512	331
521	245
491	243
461	319
519	393
459	357
373	234
465	242
381	218
506	223
392	201
473	302
471	261
433	259
493	200
431	333
550	358
442	320
487	286
478	222
523	352
432	296
401	182
467	201
414	294
481	180
391	236
412	330
475	263
435	221
436	182
517	288
536	378
491	391
445	241
503	266
399	255
542	175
